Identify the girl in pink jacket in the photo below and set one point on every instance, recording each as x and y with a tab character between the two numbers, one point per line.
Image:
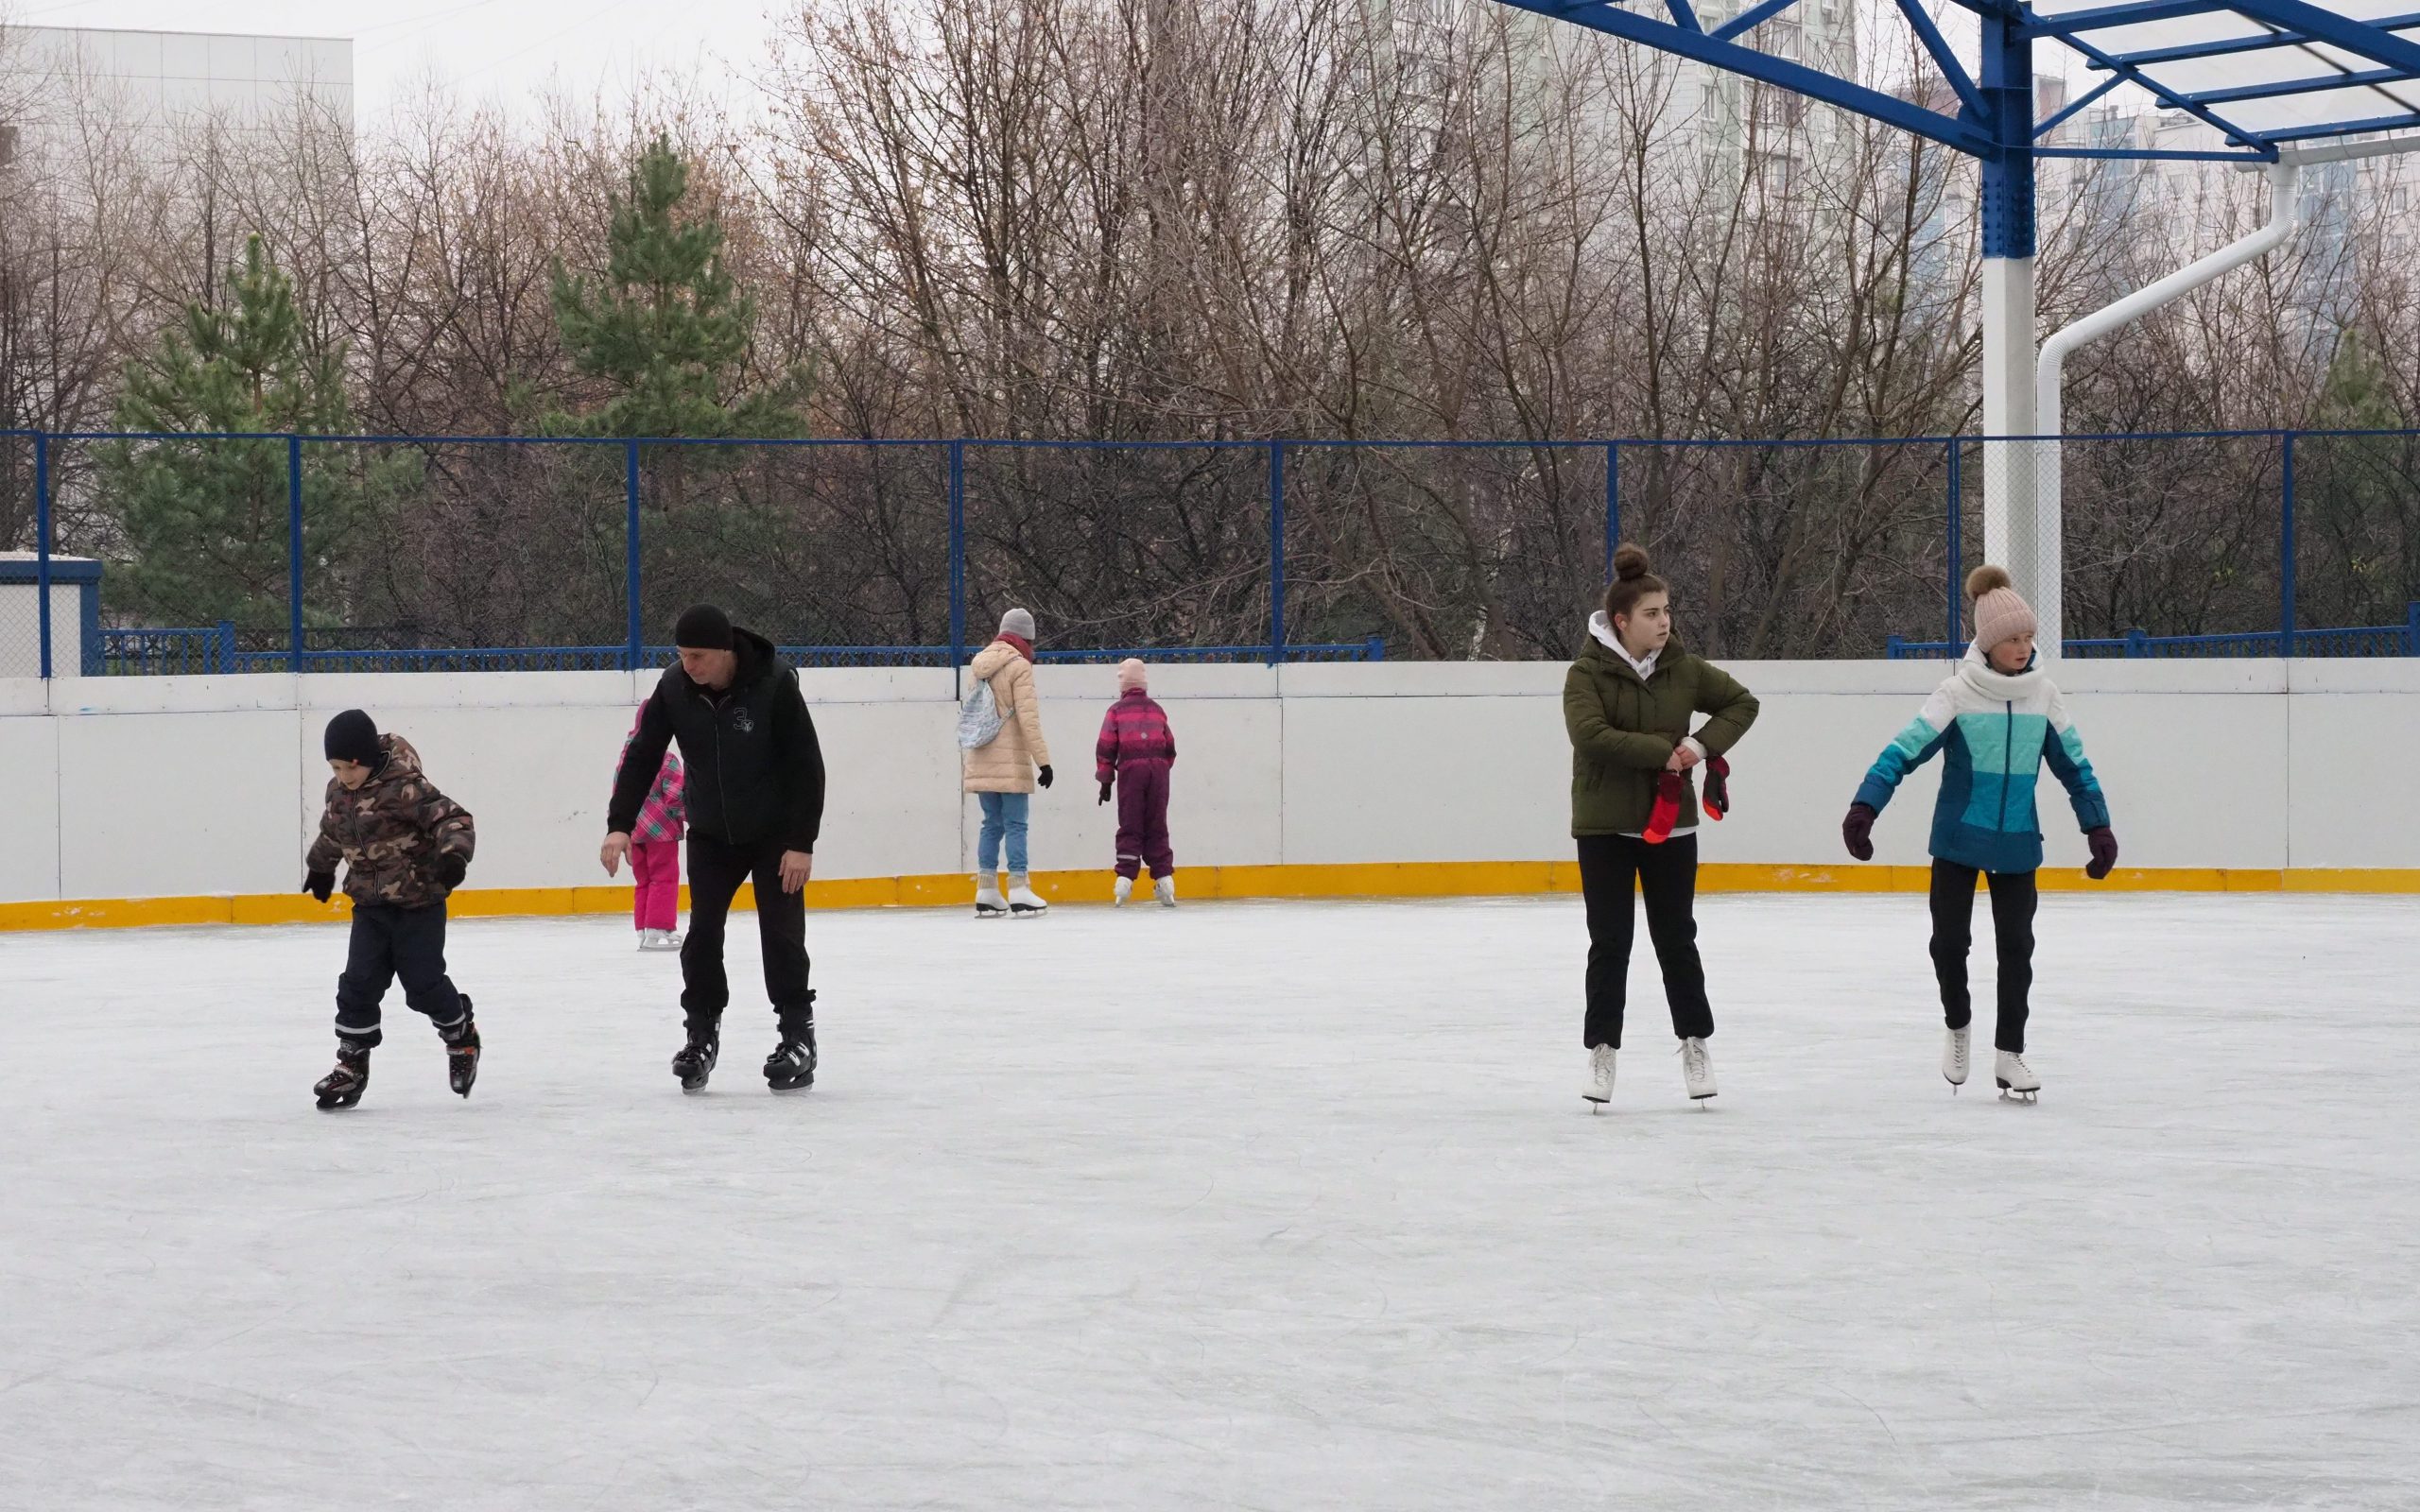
655	854
1136	750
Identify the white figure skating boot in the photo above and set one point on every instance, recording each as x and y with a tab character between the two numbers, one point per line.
1164	888
2018	1082
1123	890
987	901
1022	900
1600	1076
659	939
1697	1069
1953	1056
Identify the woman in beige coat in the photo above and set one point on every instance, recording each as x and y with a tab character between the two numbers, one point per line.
1002	773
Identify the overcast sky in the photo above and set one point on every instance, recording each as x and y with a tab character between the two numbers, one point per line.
506	48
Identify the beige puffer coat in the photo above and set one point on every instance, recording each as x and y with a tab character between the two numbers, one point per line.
1007	764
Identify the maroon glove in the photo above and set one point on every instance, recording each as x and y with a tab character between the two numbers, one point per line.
1858	830
1715	799
2104	853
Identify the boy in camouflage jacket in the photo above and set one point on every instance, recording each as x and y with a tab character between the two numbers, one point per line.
406	847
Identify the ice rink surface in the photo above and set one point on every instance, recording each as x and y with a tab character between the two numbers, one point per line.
1246	1206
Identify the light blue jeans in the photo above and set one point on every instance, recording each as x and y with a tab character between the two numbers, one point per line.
1003	813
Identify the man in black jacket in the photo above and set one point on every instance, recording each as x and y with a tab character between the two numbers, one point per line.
755	803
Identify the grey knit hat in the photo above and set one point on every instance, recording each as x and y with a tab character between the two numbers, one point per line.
1019	623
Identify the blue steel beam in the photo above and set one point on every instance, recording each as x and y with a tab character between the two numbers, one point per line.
2375	122
1683	16
2365	38
1749	20
1813	83
2133	15
2228	46
2341	79
2080	103
2148	155
1951	69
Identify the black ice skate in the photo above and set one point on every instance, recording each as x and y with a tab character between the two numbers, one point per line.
461	1051
696	1062
342	1087
791	1066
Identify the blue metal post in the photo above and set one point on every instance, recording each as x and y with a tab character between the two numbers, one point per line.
957	557
41	547
2008	172
2412	629
1276	552
1957	545
1613	504
2286	550
633	632
294	548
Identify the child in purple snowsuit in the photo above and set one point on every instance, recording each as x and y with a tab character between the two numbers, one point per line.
1136	750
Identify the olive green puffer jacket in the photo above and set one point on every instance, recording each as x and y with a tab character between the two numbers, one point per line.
1623	730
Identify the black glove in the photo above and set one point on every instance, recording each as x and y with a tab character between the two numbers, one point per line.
1105	785
1858	830
2104	853
319	884
1045	778
451	870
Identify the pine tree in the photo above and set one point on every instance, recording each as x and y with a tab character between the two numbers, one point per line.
204	521
667	326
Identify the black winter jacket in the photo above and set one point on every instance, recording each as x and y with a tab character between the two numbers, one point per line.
755	771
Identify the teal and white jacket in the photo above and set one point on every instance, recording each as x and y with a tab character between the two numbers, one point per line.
1994	730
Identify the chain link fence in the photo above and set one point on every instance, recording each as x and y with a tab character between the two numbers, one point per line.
240	554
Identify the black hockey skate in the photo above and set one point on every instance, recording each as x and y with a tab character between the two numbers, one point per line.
342	1087
461	1051
791	1066
696	1062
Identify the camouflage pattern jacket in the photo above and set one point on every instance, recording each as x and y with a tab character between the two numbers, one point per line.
390	833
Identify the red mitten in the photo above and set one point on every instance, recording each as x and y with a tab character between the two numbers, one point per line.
1667	811
1715	799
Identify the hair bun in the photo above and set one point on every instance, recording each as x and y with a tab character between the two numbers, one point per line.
1985	578
1628	561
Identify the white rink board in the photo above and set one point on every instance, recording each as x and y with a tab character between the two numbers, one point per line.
174	786
1244	1206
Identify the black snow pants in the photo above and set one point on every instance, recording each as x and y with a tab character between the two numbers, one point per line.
2013	899
389	943
716	867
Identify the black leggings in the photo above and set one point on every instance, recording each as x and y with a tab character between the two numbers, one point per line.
1610	866
1953	929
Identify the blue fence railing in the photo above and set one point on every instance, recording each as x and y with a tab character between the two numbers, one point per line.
443	553
2358	640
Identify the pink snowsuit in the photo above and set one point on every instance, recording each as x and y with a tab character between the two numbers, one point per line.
1136	748
655	845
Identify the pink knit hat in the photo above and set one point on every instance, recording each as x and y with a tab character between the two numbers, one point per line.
1130	674
2000	614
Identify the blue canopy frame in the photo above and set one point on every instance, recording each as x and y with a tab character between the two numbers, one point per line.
1995	121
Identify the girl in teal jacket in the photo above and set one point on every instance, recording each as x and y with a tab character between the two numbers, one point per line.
1995	721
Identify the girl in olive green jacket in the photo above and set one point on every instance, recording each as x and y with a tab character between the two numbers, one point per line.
1627	703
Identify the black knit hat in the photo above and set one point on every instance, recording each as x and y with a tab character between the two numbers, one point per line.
703	627
352	738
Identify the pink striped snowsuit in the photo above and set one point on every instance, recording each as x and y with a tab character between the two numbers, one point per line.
655	845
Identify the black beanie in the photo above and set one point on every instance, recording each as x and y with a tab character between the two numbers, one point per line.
352	738
703	627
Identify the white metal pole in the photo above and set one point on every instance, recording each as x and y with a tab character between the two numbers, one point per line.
2011	526
2285	217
